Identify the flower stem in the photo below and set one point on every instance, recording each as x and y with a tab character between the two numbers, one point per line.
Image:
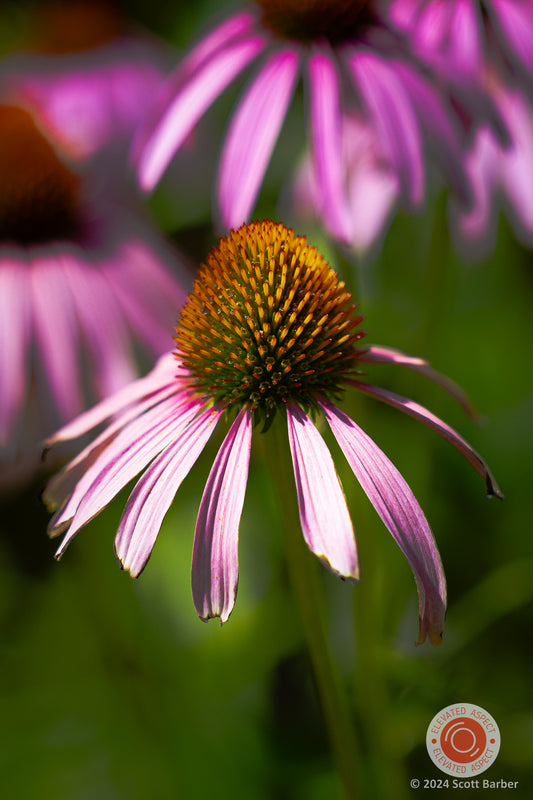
304	571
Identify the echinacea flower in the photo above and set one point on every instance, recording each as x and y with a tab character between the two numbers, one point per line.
86	286
268	329
350	61
493	40
86	77
456	33
500	177
372	187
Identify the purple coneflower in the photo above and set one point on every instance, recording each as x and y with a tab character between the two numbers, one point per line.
499	176
86	75
350	61
268	329
85	282
455	33
372	187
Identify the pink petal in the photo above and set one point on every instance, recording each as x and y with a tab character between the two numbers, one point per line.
324	516
63	484
326	139
252	135
132	449
57	331
15	330
396	505
419	412
513	22
150	297
103	326
394	120
437	122
193	97
155	491
203	51
215	560
389	355
164	373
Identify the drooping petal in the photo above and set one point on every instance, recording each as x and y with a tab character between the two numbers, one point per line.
391	112
193	97
389	355
155	491
252	135
62	485
134	447
419	412
324	516
15	325
326	143
215	560
396	505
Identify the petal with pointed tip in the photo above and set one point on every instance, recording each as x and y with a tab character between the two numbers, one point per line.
396	505
432	421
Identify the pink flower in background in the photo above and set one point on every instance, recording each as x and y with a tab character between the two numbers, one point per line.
372	187
268	329
86	75
460	38
501	177
86	286
350	64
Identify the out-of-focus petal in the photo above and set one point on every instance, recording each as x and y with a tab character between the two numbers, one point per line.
419	412
376	354
154	492
57	331
15	329
326	143
513	23
444	34
149	296
441	135
324	516
391	112
516	162
191	100
103	326
396	505
215	560
252	135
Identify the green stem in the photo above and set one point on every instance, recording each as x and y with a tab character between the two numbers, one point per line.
304	571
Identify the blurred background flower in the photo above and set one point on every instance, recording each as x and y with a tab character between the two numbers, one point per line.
351	64
89	287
